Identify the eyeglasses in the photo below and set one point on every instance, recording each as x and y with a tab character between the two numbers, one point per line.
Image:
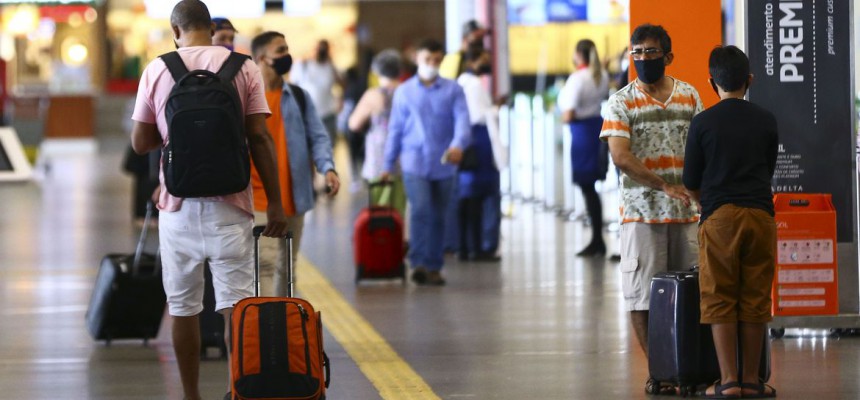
648	53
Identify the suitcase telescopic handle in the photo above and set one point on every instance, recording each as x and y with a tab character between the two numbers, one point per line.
138	251
288	258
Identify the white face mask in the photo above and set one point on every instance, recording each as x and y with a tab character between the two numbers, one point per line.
427	72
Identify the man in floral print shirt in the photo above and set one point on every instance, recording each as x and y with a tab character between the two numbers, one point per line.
646	126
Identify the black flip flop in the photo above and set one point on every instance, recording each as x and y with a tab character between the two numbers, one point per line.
718	391
761	388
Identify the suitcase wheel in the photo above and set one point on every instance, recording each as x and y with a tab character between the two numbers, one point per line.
359	272
687	390
652	386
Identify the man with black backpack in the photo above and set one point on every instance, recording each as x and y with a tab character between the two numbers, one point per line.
301	141
206	121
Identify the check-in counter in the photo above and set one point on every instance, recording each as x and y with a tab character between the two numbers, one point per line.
37	117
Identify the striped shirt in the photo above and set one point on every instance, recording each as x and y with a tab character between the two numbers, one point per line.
658	136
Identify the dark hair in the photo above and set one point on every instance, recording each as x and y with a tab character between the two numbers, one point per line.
223	24
262	40
387	63
191	15
648	31
583	48
729	67
473	53
471	26
430	45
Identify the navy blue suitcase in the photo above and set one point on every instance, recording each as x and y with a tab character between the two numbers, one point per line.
681	350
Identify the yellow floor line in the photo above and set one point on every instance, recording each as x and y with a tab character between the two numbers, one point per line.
392	377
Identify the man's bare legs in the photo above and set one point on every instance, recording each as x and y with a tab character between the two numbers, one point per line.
228	313
752	337
639	320
186	346
726	343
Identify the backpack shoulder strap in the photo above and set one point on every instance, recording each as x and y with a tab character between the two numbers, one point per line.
175	65
232	66
299	94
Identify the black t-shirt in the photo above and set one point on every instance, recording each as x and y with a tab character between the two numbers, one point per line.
731	156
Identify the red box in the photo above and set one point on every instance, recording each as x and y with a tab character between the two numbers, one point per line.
806	280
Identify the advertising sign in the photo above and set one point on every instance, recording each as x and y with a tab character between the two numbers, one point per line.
800	56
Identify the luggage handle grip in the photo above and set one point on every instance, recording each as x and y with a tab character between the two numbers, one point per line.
258	231
198	73
327	365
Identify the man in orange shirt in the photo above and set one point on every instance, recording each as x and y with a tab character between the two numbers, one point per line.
300	141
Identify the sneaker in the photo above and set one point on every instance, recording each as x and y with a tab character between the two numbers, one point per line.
419	275
488	257
434	278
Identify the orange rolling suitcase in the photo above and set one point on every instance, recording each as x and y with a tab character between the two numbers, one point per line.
277	344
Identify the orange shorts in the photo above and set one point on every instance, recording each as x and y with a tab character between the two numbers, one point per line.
737	249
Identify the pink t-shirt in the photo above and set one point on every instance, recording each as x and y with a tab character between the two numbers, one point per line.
155	86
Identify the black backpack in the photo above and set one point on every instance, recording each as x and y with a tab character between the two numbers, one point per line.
206	153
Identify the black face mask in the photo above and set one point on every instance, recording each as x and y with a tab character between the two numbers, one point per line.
484	69
650	71
283	64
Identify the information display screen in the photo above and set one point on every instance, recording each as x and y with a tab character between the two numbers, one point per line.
5	163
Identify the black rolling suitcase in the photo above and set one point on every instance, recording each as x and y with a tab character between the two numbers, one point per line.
128	299
681	350
211	322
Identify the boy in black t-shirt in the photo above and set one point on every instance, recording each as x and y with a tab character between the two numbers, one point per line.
728	166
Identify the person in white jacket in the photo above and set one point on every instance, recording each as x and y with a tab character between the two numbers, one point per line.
479	189
580	102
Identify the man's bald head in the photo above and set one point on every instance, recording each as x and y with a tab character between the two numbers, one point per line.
191	15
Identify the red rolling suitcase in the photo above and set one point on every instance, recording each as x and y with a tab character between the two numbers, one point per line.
378	242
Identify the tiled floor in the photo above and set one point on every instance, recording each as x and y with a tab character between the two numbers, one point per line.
542	324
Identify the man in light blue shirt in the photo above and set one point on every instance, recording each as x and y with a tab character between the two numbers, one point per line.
428	129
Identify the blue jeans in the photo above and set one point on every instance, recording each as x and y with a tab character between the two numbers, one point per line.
491	222
428	201
451	242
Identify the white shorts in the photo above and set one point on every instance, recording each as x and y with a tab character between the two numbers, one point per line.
201	231
647	249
